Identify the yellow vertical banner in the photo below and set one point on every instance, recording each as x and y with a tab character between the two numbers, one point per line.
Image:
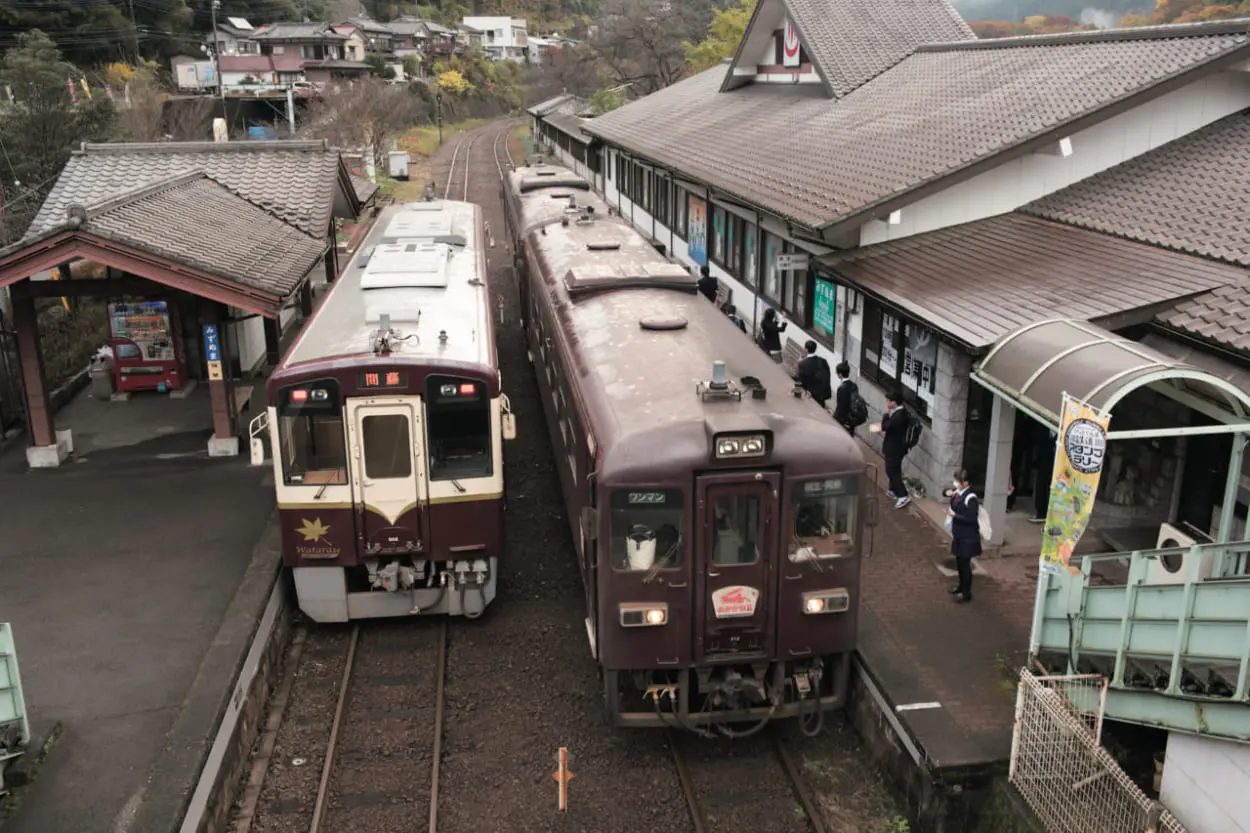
1082	446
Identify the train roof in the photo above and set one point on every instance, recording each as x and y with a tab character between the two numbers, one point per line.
424	266
644	345
552	199
543	175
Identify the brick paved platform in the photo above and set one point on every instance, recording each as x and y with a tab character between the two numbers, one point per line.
922	649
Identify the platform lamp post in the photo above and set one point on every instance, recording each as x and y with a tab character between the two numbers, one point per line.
438	98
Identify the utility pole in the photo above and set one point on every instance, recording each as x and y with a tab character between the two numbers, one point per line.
135	29
221	85
438	97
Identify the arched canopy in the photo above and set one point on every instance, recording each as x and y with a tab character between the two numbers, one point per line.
1037	364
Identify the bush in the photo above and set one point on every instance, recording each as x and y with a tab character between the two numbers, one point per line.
69	339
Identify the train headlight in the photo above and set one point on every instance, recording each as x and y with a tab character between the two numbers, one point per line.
826	601
643	614
743	445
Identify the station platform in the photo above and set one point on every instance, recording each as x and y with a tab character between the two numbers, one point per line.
134	582
948	671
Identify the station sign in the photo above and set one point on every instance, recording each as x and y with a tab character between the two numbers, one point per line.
212	352
793	262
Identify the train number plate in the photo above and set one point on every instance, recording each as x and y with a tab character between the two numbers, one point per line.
734	602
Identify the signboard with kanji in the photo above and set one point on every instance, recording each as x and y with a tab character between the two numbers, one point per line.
824	305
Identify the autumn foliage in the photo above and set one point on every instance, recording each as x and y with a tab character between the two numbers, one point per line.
1165	11
1038	24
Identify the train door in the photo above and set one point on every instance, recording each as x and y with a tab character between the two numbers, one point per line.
736	550
388	482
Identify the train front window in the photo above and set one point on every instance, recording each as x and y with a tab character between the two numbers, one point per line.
458	419
310	434
646	528
824	519
737	530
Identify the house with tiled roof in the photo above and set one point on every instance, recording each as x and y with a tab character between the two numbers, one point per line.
981	228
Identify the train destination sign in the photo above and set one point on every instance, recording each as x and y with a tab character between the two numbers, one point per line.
383	379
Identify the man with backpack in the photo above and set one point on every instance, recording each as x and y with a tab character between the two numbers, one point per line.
849	410
813	375
901	434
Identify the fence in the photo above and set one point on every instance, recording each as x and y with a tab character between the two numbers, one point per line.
1072	784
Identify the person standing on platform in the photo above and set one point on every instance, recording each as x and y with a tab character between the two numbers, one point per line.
708	285
963	519
814	376
894	447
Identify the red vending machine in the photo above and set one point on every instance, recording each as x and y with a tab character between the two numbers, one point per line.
145	342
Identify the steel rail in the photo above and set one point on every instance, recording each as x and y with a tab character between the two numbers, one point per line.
697	817
439	703
802	790
323	788
451	170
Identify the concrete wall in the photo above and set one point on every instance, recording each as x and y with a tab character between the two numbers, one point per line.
1027	178
1206	784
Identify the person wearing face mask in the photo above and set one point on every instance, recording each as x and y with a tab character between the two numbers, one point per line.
963	521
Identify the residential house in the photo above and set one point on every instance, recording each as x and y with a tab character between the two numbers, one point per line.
317	46
503	38
442	39
233	37
355	46
250	73
468	37
377	35
408	34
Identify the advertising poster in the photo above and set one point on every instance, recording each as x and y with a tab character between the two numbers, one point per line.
825	306
696	231
1079	457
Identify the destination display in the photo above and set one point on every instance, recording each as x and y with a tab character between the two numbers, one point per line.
382	379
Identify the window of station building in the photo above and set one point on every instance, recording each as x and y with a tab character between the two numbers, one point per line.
310	434
733	244
681	206
899	356
773	277
718	236
458	424
795	289
647	529
387	441
750	255
824	519
663	197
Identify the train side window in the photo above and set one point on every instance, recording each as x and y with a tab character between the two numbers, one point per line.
646	526
387	443
824	519
311	439
736	530
458	419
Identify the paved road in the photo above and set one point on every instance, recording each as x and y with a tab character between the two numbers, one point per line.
116	578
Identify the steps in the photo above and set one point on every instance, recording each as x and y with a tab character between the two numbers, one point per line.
14	726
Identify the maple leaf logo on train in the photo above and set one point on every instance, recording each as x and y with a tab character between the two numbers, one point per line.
737	597
313	531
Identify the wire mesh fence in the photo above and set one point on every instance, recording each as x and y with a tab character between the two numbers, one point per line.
1071	783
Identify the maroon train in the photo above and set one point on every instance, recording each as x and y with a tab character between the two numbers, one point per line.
386	419
718	518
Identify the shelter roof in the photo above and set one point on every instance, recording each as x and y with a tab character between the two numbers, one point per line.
942	112
1036	365
572	125
552	104
979	281
364	188
298	182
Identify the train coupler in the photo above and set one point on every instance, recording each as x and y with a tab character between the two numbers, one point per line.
658	691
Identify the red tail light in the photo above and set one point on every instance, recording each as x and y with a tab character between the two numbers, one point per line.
299	396
466	389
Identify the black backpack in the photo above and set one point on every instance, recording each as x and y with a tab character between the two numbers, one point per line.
857	410
914	430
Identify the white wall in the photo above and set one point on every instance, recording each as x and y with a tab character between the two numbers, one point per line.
1206	784
1109	143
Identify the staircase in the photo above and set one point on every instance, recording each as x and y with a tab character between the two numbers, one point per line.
14	727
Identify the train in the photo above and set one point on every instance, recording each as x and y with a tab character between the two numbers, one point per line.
386	420
718	514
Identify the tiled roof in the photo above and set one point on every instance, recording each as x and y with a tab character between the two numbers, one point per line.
939	112
364	188
853	41
410	27
201	223
980	281
1221	316
297	31
571	125
1192	195
542	108
294	180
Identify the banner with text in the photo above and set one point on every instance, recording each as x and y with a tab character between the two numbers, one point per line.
1079	457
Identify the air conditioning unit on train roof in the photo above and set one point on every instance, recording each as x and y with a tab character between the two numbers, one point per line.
407	266
1172	567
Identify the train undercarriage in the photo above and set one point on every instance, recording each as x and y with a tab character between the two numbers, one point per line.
728	700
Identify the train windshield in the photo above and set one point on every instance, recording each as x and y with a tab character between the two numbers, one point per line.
647	529
310	433
458	419
824	519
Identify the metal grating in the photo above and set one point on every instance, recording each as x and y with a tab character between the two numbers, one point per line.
1071	783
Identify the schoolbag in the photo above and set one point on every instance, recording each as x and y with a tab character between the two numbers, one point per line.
983	522
858	409
914	430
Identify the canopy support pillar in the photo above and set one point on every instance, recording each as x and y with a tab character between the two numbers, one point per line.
1229	506
998	466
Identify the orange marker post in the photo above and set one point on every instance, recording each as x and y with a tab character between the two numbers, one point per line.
563	777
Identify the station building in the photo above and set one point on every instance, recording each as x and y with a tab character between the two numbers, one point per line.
945	193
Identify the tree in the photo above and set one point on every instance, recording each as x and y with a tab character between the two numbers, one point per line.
43	125
723	35
363	114
640	42
451	83
606	100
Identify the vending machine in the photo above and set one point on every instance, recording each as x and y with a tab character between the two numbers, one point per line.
146	346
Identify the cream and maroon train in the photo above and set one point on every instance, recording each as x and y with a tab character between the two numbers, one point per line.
387	418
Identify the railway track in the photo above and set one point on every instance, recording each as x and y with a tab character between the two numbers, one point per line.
729	785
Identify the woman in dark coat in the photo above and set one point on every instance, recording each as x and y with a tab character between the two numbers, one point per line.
770	332
965	527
